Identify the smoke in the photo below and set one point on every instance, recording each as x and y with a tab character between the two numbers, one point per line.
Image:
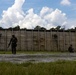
47	17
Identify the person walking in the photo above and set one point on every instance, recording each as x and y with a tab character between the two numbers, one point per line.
13	43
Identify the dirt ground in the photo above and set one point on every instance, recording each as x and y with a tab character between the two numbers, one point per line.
20	58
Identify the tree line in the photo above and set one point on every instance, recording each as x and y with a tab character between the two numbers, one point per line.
59	28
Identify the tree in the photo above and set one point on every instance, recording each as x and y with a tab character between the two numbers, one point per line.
37	28
52	29
42	28
58	27
17	27
1	28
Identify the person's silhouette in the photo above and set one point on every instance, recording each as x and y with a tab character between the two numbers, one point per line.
70	49
13	43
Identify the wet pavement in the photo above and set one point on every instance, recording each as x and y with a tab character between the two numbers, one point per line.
21	58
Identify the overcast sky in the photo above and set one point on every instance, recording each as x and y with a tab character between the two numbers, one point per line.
45	13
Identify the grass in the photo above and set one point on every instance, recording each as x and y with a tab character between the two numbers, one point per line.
30	52
52	68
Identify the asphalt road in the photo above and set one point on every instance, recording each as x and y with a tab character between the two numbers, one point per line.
20	58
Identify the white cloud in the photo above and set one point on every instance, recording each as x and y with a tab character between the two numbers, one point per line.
13	14
47	17
71	23
45	10
65	2
56	17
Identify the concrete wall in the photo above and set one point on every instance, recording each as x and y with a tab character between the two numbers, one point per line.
36	40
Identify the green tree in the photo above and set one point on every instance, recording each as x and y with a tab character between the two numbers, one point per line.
58	28
37	28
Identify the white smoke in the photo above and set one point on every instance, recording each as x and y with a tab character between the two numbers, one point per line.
47	17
